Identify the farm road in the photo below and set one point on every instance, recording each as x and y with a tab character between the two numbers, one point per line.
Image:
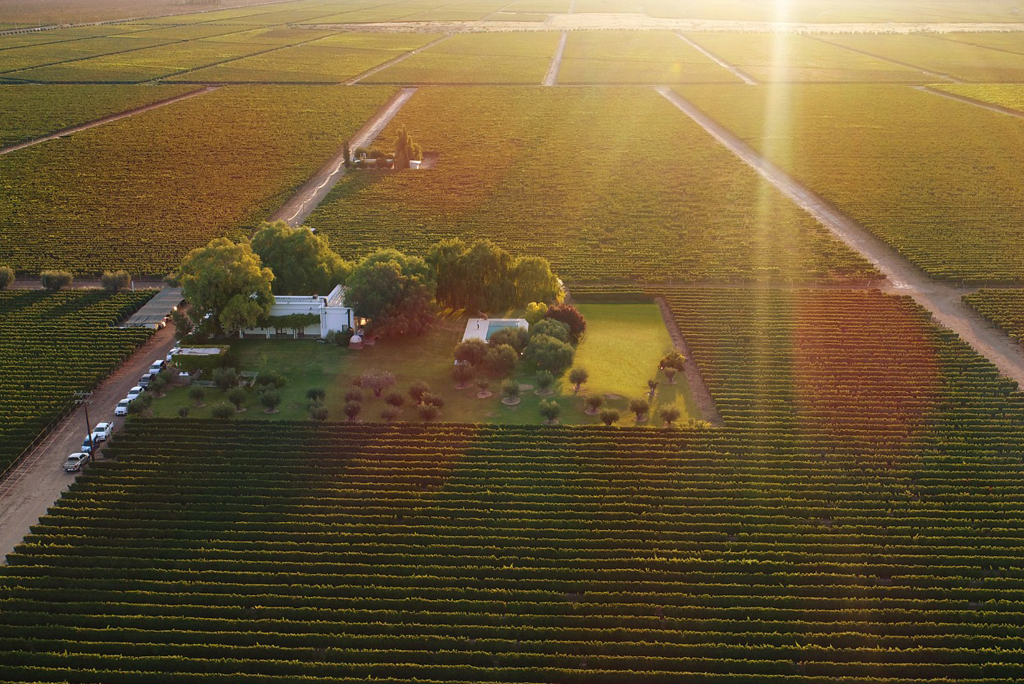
313	191
734	70
971	101
106	119
38	481
941	300
556	61
396	60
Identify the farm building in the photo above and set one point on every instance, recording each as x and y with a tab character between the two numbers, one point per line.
307	316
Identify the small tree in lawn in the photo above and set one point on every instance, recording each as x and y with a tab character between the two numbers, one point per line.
390	414
510	392
316	395
550	410
270	400
197	395
669	414
157	385
593	404
652	386
639	407
183	411
609	416
673	360
225	378
222	410
483	384
354	395
236	396
670	374
578	377
463	375
544	382
417	390
353	409
376	381
318	412
428	412
395	400
433	400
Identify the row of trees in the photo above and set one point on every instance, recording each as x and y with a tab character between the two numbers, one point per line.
55	280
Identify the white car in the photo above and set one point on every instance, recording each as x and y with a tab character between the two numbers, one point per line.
75	462
157	366
170	354
102	431
134	393
122	407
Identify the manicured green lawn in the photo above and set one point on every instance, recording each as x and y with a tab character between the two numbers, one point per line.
618	366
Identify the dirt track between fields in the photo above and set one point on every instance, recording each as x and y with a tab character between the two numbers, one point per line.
551	78
698	389
39	480
313	191
106	119
941	300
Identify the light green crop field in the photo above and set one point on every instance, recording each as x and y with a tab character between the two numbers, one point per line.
636	57
780	57
1010	96
53	53
517	58
941	181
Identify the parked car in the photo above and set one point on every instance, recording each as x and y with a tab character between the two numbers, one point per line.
122	407
75	462
145	379
88	443
102	431
157	366
170	354
134	393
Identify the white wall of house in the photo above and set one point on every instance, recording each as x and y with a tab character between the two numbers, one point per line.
331	309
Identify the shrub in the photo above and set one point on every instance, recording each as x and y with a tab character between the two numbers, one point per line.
158	383
510	389
115	281
318	412
236	396
225	378
593	403
551	328
394	399
271	379
544	381
390	414
316	394
670	373
482	384
673	360
652	385
197	394
549	354
222	410
270	400
578	377
501	360
339	338
354	395
183	411
353	409
471	351
428	412
639	407
550	410
433	400
535	311
669	414
56	280
609	416
571	316
6	277
417	390
463	374
517	338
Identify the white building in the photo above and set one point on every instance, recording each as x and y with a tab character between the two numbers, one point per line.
331	311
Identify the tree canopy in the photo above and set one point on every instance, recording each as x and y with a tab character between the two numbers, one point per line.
395	291
303	262
228	281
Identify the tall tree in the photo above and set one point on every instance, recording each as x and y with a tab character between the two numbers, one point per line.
405	151
303	262
394	291
534	281
229	282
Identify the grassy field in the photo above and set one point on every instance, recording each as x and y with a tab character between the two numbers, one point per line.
938	180
621	351
636	57
674	204
784	58
161	183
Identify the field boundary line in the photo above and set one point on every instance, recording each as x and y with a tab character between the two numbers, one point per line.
698	388
971	101
734	70
312	192
927	72
396	60
551	78
64	132
941	300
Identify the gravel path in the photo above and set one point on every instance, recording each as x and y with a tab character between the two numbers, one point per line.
313	191
926	72
39	480
105	120
556	61
971	101
941	300
735	71
396	60
698	389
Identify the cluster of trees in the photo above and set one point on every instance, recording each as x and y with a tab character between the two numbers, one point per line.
484	277
56	280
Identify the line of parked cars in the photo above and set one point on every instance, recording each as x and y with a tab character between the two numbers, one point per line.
102	431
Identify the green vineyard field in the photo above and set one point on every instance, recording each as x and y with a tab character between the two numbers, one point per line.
1004	308
657	57
51	346
523	167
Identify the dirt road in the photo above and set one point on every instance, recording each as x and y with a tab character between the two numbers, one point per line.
556	61
735	71
971	101
941	300
313	191
38	481
396	60
105	120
